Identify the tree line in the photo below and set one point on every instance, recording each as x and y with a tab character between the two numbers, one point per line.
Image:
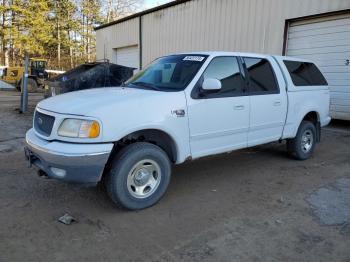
61	31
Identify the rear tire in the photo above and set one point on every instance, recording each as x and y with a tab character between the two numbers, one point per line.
303	145
139	176
18	85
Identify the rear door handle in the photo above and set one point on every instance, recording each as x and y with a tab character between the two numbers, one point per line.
239	107
277	103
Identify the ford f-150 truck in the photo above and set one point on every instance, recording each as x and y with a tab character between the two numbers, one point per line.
181	107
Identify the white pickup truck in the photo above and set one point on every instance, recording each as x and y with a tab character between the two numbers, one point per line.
181	107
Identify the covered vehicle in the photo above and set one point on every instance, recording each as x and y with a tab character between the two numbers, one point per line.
88	75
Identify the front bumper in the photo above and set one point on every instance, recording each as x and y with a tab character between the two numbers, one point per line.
76	163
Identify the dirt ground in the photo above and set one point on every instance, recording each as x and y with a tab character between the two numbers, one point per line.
251	205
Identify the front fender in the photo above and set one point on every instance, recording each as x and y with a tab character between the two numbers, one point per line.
179	136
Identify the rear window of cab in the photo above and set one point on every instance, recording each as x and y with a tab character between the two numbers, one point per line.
305	73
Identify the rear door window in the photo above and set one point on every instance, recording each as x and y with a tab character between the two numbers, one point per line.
305	74
261	77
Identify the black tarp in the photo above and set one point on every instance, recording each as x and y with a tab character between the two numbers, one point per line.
89	75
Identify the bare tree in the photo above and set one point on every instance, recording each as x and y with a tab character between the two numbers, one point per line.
115	9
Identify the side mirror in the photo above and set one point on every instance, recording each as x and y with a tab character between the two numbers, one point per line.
211	84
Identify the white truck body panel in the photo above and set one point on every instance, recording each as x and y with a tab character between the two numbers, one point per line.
303	99
122	111
221	134
268	112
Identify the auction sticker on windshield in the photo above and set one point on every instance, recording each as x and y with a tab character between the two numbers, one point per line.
194	58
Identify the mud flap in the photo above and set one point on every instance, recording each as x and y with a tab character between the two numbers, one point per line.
318	132
29	156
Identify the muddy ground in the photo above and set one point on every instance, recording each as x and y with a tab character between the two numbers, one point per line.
250	205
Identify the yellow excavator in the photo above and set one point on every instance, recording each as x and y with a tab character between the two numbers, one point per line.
36	74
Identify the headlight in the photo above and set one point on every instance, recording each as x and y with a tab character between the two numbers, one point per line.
79	128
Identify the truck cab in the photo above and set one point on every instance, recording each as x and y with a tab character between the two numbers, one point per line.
181	107
37	69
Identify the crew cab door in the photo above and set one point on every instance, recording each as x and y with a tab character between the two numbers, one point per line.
268	100
219	120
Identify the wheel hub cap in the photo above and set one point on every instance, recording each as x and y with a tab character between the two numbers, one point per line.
307	141
141	177
144	178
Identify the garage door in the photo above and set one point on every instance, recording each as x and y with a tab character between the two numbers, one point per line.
127	56
327	42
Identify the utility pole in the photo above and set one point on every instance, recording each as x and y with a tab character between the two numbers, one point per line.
24	86
58	34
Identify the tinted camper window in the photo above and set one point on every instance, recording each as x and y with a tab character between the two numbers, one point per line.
305	74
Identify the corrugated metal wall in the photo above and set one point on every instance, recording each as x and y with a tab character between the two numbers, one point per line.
116	36
230	25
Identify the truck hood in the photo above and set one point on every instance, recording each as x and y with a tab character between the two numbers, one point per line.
86	102
122	111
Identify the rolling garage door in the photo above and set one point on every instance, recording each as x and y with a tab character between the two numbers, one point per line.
327	42
127	56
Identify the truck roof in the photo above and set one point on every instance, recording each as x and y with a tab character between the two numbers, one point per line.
225	53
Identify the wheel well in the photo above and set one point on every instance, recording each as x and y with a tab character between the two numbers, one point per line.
154	136
312	117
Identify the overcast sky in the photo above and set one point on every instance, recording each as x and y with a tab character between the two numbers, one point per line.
152	3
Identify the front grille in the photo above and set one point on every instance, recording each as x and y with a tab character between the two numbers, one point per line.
43	123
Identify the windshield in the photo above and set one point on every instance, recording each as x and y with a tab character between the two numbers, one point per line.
38	64
169	73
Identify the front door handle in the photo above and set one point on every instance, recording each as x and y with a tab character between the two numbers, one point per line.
239	107
277	103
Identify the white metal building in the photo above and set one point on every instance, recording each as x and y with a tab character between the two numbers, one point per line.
313	29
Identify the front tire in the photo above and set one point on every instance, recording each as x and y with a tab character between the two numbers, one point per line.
32	85
139	176
303	145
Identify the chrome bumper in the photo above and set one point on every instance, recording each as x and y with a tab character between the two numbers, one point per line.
77	163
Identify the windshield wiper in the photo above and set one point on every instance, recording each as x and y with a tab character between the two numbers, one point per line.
145	85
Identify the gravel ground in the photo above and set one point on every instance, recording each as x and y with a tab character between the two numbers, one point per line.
250	205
